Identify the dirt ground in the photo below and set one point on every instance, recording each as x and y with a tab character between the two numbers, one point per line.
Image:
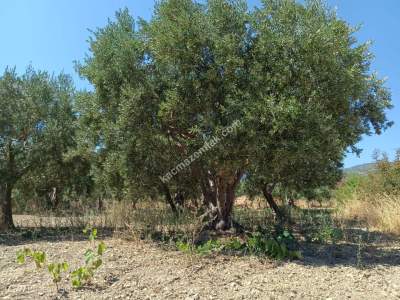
142	270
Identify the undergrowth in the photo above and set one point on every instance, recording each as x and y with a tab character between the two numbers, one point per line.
279	246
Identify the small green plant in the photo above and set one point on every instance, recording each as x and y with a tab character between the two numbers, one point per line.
279	244
234	244
39	257
208	247
202	249
80	276
55	269
322	229
92	233
255	244
93	261
184	246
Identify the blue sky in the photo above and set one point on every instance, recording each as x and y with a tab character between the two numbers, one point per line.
50	35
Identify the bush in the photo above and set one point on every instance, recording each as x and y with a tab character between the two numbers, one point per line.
280	246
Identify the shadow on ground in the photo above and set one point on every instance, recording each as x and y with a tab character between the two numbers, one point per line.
360	248
25	236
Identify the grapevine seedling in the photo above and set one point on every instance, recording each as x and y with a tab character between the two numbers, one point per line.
79	276
39	257
55	269
93	261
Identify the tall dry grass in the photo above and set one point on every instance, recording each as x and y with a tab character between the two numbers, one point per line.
379	212
373	199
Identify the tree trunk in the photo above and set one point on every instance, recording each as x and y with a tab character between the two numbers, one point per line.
225	201
291	202
6	219
169	200
53	199
100	205
271	202
219	198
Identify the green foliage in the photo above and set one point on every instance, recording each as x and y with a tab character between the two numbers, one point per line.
348	187
92	233
319	227
37	130
184	246
279	246
56	269
274	247
234	244
202	249
384	179
39	257
93	261
208	247
101	248
292	73
80	276
22	254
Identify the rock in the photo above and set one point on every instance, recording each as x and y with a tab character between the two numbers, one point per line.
193	297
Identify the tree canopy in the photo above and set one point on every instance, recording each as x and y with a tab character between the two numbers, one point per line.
36	129
292	74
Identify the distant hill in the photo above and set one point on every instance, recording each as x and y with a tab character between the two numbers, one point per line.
361	169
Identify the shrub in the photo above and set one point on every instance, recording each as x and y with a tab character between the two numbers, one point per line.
281	246
319	227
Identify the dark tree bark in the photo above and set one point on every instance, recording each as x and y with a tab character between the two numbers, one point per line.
100	204
6	218
267	191
169	199
225	200
219	198
179	199
291	202
6	187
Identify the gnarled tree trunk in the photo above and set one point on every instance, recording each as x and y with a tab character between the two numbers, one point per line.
225	201
219	198
6	219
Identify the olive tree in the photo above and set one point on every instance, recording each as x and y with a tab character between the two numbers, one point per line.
291	75
35	121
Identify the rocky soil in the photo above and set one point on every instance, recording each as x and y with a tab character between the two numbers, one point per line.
140	270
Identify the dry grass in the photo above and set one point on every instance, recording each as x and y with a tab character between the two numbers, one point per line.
146	219
379	212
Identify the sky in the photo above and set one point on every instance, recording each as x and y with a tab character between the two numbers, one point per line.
50	35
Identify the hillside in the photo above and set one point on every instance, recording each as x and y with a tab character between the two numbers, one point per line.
360	169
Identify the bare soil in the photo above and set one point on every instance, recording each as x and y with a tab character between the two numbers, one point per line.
143	270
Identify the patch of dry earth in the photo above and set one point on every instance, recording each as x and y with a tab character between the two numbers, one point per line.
136	270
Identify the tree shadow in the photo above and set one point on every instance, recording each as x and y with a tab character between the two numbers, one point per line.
30	235
361	249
